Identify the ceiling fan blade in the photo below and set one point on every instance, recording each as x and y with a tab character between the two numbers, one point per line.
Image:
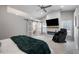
43	7
44	10
48	6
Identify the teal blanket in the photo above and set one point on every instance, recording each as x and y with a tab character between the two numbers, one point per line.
31	45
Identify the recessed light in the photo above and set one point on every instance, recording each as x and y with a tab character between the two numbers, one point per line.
62	6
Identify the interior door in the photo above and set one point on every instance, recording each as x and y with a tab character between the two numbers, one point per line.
76	30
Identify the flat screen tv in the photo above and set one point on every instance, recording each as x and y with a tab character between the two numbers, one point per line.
52	22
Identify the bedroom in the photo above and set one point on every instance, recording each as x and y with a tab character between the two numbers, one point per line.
30	20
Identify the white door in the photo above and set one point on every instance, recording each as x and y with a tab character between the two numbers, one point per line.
76	32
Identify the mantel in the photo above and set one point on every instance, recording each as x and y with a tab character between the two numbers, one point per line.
52	26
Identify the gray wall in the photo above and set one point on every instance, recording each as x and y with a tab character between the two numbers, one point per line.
55	14
69	15
10	24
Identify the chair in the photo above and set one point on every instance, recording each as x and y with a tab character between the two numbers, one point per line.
60	36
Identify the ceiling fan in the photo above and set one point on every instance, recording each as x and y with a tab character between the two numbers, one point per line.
43	7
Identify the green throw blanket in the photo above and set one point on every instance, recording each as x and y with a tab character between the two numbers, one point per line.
31	45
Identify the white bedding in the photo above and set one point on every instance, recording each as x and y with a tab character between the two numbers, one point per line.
9	47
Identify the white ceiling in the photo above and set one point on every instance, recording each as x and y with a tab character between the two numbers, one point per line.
65	8
35	10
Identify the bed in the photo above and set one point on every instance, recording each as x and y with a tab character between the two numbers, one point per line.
12	48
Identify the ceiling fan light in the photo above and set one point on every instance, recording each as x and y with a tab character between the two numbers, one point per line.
41	12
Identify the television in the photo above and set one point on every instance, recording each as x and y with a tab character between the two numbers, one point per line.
52	22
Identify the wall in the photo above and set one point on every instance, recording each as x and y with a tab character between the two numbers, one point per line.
10	24
52	15
67	15
43	25
55	14
67	18
64	17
